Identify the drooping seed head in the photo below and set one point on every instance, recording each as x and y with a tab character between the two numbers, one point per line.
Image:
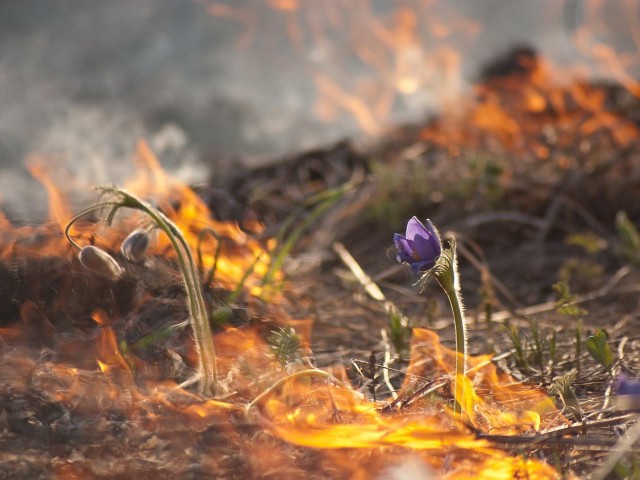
135	245
100	262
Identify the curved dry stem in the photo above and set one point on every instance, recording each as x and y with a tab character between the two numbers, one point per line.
303	373
79	215
199	319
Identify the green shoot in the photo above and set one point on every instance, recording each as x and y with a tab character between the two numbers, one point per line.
288	236
565	302
629	238
399	331
578	344
562	387
285	346
518	347
599	349
212	271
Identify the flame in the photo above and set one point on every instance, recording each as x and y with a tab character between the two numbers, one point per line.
240	252
321	415
41	240
319	411
532	115
538	111
391	59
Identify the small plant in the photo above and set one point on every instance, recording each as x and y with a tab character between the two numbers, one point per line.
421	249
285	346
562	386
534	349
399	331
565	302
293	228
629	238
115	199
519	347
598	347
578	344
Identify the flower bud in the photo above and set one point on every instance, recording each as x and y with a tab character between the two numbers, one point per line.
100	262
135	245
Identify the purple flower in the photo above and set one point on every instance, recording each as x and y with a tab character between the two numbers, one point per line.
625	386
627	393
420	247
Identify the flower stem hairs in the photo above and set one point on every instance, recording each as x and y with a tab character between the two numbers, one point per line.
421	249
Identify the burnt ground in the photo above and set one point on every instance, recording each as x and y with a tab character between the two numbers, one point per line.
524	221
544	256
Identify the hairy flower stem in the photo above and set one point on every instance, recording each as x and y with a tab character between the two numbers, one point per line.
199	320
446	272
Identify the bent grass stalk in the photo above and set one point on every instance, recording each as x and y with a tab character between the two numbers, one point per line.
207	371
311	372
286	239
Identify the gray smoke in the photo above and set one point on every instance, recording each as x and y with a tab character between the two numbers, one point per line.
81	81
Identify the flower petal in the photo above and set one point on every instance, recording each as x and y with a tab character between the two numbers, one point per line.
417	267
416	228
426	248
405	250
625	386
421	247
433	233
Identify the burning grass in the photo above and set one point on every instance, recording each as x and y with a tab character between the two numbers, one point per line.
109	377
94	366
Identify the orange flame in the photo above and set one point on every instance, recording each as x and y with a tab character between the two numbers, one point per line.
240	252
311	411
414	54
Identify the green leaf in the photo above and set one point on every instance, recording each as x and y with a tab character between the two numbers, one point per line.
589	241
562	387
565	300
399	331
599	349
285	346
627	230
629	237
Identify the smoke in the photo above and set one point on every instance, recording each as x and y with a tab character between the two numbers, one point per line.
81	82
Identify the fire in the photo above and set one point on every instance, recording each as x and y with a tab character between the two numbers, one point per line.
241	252
78	359
97	371
370	62
330	416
